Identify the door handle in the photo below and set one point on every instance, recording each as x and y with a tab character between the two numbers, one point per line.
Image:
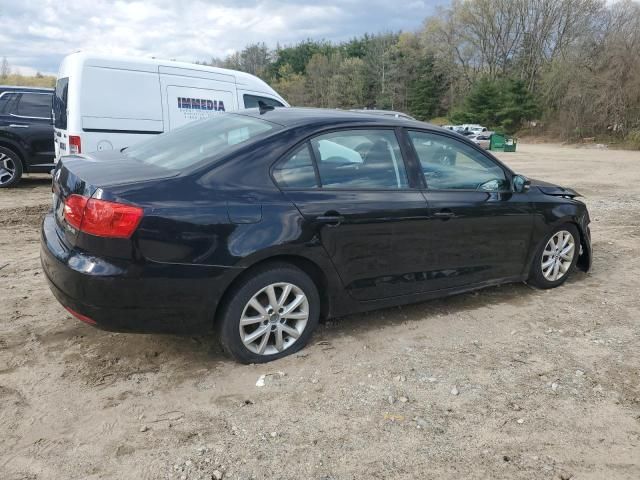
444	214
330	220
15	125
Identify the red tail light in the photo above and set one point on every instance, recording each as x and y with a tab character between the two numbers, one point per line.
79	316
75	144
100	217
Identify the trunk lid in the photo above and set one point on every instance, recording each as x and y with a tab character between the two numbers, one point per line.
85	174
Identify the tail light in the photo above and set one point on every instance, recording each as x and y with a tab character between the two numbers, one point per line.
79	316
75	144
100	217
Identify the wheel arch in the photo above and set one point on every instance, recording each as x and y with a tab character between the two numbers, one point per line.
14	147
308	266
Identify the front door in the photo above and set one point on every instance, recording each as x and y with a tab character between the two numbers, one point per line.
480	228
352	185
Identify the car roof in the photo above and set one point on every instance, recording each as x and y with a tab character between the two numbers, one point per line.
7	88
319	117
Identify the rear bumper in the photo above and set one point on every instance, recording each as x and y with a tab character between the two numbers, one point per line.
127	296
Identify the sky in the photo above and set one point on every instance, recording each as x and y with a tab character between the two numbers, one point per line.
37	34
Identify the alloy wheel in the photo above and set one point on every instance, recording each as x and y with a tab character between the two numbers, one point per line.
557	256
274	318
7	168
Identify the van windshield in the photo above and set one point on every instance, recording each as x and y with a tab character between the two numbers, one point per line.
60	103
207	139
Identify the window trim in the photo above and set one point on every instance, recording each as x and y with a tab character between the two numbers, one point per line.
412	185
509	174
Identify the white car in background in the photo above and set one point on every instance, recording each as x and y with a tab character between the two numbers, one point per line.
482	139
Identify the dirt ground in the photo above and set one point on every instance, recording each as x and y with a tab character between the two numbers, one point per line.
509	382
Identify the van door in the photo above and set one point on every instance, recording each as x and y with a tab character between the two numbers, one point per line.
193	94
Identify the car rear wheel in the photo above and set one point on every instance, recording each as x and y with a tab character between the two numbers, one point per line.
556	257
10	168
271	314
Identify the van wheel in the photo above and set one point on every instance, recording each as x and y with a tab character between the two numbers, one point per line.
270	315
10	168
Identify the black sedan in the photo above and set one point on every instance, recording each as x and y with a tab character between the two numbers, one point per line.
259	223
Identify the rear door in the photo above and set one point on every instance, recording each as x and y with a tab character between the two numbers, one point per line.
28	115
354	187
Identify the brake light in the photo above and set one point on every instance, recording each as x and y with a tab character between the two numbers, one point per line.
75	144
100	217
74	210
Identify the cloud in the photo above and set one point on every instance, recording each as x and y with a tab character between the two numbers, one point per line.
37	34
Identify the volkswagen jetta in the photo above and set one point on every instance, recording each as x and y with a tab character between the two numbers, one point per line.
259	223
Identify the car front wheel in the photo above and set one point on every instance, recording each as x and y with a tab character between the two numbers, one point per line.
270	314
556	257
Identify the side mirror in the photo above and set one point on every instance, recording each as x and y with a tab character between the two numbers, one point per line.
521	184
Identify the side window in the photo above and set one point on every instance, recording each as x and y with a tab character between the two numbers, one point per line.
34	105
251	101
8	103
449	164
296	170
360	159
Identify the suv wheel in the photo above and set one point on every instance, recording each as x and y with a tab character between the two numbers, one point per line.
10	168
270	315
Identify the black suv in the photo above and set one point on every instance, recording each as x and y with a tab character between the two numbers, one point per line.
26	133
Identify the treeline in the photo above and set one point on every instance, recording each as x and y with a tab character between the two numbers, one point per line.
9	77
569	67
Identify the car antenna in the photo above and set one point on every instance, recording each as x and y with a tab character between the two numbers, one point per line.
264	107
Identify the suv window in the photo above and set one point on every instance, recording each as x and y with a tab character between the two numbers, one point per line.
360	159
7	102
296	170
251	101
450	164
37	105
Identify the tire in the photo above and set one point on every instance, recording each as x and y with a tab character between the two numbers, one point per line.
235	338
544	277
10	168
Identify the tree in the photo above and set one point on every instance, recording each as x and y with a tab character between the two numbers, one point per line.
5	69
426	90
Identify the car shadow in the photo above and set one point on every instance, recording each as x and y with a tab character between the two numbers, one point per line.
188	353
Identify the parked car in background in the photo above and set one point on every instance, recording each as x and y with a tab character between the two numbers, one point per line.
26	133
481	139
110	102
252	225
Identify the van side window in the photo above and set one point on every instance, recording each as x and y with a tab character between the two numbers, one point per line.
251	101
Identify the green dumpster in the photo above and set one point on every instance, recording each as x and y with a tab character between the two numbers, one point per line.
501	143
496	142
510	145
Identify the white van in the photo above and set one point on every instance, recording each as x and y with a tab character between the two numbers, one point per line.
106	102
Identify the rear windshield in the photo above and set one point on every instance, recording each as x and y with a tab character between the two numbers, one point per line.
60	103
198	141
